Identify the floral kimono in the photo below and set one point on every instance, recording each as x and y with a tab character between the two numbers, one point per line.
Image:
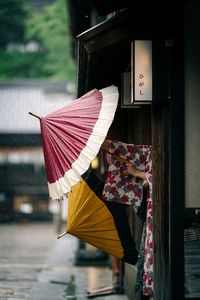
148	250
129	190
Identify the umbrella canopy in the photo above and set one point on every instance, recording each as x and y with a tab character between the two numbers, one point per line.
72	137
101	224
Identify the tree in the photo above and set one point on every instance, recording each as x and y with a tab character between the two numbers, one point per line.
12	16
50	28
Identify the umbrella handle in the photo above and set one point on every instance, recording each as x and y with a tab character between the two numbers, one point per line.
34	115
61	235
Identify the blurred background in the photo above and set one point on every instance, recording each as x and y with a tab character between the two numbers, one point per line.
37	74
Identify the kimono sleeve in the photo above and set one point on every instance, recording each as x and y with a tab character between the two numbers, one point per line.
120	188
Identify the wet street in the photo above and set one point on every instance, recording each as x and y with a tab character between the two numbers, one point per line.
23	249
37	266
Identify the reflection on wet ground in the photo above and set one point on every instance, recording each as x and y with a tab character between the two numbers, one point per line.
31	258
98	277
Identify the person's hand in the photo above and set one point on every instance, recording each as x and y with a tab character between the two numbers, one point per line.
132	170
88	93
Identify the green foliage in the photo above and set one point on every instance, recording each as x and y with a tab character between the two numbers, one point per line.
49	27
12	16
21	65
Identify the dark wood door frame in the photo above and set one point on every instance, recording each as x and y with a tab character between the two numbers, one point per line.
168	181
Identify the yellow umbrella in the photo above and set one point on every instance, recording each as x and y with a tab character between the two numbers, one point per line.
101	224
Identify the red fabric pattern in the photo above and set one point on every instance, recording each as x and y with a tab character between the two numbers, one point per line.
128	190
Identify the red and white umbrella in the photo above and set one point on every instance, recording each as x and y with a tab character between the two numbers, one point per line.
73	135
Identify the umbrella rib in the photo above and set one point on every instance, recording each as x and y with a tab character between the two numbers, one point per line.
79	211
62	141
81	221
70	134
75	105
91	217
84	207
51	150
88	236
73	204
60	149
65	126
112	248
94	229
54	153
99	240
59	163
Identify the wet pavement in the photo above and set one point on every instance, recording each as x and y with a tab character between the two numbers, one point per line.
37	266
22	252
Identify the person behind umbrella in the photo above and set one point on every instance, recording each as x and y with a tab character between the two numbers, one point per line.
134	160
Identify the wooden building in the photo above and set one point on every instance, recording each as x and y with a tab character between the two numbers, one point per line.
23	186
104	35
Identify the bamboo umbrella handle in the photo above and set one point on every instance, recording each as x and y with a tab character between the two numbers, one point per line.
61	235
34	115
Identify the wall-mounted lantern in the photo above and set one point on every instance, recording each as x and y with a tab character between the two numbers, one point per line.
137	84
